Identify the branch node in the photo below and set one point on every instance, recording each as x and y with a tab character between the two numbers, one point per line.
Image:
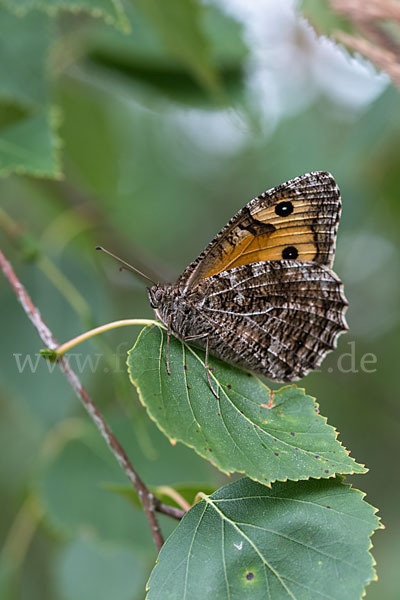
49	354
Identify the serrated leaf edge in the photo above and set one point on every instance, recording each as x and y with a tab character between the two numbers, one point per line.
55	120
362	494
204	455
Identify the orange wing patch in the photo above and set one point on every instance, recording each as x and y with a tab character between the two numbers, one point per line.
281	231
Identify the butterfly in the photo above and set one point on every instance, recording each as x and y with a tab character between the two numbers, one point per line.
262	295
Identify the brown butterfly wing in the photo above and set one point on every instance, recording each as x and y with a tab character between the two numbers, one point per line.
277	318
296	220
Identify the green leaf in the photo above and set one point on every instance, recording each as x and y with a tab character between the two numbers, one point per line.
90	570
178	24
298	540
28	137
25	44
141	57
238	432
112	11
30	145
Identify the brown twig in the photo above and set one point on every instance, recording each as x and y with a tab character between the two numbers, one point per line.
149	502
170	511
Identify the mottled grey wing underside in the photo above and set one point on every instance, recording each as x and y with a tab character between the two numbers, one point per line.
277	318
262	294
260	231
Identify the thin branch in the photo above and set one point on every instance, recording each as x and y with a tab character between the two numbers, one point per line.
170	511
149	502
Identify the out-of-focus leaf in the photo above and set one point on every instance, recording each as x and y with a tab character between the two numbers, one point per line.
112	11
11	113
28	126
30	145
269	436
142	57
298	540
225	35
89	570
25	43
178	23
188	491
7	579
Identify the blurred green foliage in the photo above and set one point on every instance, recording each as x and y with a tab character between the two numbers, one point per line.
165	124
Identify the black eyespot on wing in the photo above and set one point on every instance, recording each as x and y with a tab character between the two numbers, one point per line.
284	209
290	252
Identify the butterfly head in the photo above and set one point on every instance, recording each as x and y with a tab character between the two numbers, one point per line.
162	299
167	303
156	295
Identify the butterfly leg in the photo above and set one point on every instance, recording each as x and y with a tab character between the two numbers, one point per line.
167	352
208	373
196	337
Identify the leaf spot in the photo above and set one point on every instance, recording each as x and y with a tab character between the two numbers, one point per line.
270	401
250	576
239	546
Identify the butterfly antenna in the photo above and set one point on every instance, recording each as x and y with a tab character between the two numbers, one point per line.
134	269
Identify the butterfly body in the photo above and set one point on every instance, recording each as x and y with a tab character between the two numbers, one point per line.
262	295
